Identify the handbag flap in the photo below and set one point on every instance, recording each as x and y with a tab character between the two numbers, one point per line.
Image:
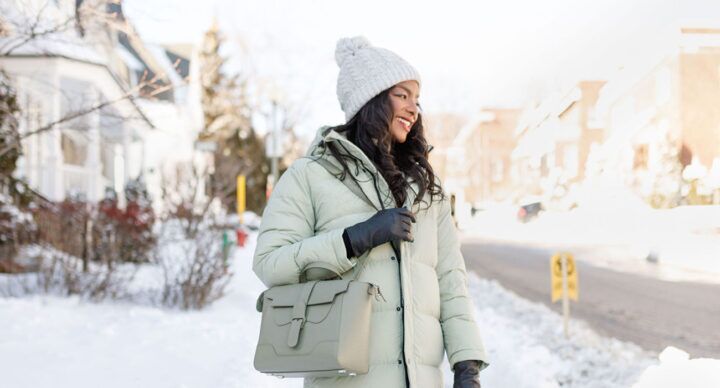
324	292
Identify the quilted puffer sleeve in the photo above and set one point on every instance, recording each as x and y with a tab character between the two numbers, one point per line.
287	242
460	331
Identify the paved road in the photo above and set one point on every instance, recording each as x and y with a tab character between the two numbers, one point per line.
649	312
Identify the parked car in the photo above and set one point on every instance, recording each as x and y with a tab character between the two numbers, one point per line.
529	211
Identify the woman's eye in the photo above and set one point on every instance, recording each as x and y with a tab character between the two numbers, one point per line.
403	96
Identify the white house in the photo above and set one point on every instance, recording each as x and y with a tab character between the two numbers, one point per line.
93	61
62	74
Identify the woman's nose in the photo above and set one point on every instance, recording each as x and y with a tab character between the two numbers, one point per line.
412	108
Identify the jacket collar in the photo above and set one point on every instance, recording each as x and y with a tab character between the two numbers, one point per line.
326	135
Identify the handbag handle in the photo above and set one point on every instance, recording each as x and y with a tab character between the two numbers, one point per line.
318	271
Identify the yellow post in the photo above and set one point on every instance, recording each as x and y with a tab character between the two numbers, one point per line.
564	283
240	200
566	302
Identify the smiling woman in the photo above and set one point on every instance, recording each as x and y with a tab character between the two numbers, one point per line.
365	204
403	99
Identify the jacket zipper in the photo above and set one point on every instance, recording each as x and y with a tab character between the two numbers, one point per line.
402	314
396	248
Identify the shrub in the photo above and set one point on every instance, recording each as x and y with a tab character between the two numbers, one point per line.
195	269
16	228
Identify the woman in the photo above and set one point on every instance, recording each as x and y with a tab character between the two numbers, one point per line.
406	240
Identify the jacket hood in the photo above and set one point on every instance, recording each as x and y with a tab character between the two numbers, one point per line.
326	135
318	149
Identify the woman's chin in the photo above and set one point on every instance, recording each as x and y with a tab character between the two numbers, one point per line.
400	135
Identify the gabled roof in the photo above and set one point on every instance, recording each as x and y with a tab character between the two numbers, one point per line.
66	44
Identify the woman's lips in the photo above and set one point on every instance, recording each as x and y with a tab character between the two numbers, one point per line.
407	124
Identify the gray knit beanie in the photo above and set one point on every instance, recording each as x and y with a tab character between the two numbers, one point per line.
365	71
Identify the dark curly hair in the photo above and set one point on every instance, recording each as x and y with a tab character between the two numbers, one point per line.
398	163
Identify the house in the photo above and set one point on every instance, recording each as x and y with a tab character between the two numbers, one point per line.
488	144
477	158
555	139
662	114
440	131
88	70
178	119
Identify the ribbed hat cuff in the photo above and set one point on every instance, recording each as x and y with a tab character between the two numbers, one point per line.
380	82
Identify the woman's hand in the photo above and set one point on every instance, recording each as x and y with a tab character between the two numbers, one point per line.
467	374
386	225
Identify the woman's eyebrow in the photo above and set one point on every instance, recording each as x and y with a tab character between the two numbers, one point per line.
408	91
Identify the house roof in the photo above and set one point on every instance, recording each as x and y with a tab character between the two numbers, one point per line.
467	130
70	45
115	78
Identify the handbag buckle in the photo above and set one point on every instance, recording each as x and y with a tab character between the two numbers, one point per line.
298	314
294	336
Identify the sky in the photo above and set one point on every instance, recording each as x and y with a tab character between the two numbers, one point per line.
471	54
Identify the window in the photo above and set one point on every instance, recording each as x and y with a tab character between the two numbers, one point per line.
663	86
34	145
4	28
74	147
640	160
571	160
497	170
76	96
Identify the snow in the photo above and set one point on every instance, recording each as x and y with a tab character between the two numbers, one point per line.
621	230
676	369
67	46
527	348
65	342
55	341
15	215
54	24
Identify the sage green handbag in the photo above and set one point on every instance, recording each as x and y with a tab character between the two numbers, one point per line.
319	327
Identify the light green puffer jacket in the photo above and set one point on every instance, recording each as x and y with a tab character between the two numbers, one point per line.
426	310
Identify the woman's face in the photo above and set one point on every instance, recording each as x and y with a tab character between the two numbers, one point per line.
404	102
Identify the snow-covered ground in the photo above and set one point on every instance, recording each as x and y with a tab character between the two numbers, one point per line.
685	240
53	341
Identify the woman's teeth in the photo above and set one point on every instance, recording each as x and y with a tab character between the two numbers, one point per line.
404	122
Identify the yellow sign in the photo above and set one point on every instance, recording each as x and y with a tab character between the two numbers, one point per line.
556	276
240	196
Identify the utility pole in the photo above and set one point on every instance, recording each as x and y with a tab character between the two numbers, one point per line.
275	145
272	149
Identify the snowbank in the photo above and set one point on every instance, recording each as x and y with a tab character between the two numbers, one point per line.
527	347
51	341
676	369
685	239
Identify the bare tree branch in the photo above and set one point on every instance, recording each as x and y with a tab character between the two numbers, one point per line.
43	26
132	93
33	35
29	31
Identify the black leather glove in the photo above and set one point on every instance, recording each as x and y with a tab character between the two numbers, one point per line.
386	225
467	374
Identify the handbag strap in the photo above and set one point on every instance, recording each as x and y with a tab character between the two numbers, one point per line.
298	314
355	188
348	180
